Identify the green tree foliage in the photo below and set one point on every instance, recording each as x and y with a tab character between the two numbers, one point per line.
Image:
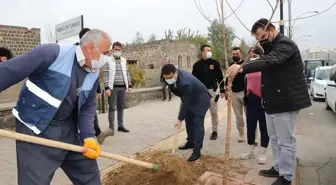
139	39
152	38
169	34
137	75
217	42
244	48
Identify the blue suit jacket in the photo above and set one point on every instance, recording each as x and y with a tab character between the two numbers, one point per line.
193	93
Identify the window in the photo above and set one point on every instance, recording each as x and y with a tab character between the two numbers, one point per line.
131	62
322	74
150	66
188	62
179	62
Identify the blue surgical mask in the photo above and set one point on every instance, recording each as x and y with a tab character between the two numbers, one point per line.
117	53
170	81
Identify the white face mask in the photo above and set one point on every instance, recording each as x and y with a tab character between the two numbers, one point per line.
208	54
170	81
117	53
97	64
251	59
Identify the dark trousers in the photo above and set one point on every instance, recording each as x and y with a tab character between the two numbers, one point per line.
117	97
36	164
164	93
96	126
195	130
254	113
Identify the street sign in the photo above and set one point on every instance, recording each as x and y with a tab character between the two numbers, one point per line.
69	28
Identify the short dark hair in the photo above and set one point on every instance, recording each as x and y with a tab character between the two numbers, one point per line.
116	44
204	46
236	48
261	23
83	31
168	69
257	50
5	52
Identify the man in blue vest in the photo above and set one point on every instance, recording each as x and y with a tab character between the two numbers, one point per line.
58	102
195	103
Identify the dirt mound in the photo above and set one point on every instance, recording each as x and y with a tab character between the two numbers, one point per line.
174	170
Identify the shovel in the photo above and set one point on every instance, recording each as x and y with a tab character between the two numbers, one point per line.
74	148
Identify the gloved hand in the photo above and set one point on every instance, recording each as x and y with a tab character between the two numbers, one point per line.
90	143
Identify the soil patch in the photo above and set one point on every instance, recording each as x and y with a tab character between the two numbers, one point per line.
174	170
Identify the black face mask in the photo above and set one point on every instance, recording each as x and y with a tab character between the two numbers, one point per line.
236	58
265	44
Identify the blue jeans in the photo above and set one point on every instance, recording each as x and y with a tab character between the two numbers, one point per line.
280	128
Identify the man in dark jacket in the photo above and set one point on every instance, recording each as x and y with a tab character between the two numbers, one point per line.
195	103
208	71
238	85
284	92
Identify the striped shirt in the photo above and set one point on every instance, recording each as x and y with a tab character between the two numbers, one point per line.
119	77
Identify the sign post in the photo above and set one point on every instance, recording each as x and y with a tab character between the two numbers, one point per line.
69	28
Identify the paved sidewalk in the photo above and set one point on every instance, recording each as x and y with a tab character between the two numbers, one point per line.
149	123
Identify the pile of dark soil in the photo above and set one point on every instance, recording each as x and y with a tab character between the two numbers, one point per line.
174	170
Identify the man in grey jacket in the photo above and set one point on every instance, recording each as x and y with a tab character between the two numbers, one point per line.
117	81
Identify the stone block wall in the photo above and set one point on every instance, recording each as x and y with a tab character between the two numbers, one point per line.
19	40
153	54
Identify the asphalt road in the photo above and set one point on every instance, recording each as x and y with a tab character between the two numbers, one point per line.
316	145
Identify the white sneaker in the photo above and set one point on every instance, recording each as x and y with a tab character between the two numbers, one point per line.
248	155
262	157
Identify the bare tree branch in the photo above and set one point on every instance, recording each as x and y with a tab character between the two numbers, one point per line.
201	12
227	2
217	8
235	9
270	4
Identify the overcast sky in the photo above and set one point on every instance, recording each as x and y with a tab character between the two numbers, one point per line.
123	18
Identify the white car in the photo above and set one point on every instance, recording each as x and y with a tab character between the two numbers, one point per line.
318	82
330	97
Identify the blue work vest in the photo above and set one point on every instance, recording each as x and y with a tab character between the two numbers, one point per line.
42	94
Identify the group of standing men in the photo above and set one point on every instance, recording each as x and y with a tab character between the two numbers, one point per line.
58	101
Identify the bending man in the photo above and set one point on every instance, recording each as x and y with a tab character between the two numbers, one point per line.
195	103
58	102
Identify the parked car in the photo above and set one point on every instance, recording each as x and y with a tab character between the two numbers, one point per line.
318	82
330	96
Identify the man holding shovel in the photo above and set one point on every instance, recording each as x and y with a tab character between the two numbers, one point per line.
195	103
58	102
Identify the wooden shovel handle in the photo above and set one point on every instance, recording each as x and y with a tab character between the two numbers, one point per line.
175	141
70	147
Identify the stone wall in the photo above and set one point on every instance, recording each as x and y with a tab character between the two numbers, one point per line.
152	55
19	40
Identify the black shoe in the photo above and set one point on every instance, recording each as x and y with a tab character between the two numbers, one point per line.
195	155
186	146
213	135
122	129
282	181
169	99
164	99
269	173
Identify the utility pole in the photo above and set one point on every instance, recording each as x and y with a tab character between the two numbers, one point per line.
282	26
290	35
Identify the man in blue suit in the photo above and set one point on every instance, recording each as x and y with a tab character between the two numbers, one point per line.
195	103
